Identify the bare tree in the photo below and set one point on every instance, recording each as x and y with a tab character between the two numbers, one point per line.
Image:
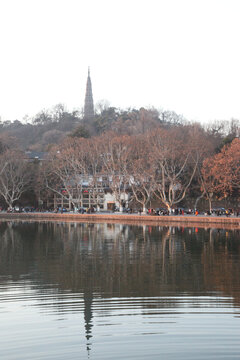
95	169
141	172
115	158
13	176
203	146
175	162
65	170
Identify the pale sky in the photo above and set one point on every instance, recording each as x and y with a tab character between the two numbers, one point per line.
181	55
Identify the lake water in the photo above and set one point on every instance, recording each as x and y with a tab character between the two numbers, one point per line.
112	291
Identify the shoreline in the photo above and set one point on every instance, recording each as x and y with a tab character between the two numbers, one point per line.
178	220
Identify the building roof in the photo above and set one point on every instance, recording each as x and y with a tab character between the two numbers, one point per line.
35	155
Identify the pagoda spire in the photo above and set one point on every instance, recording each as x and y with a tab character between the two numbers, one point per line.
88	105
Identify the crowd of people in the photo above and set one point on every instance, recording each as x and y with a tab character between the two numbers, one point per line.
196	212
150	211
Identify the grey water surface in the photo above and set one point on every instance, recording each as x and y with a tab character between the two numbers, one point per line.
113	291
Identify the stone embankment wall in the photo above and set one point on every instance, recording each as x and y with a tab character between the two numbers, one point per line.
183	220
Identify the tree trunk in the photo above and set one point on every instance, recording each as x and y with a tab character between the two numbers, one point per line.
197	199
210	204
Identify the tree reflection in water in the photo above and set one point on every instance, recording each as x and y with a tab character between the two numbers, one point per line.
95	262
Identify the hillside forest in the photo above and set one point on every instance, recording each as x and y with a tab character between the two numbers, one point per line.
158	156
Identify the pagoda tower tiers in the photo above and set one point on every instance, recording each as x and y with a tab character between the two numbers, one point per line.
88	105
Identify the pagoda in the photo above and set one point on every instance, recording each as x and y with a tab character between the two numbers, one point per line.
88	104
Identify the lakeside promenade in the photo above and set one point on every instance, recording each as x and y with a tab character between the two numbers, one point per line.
167	220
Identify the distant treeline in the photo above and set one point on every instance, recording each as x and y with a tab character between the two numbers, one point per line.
51	126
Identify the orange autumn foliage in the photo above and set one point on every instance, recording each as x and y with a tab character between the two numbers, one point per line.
222	171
